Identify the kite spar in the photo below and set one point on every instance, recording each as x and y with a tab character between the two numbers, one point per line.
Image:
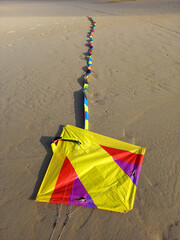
91	170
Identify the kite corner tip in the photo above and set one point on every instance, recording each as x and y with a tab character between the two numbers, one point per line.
143	150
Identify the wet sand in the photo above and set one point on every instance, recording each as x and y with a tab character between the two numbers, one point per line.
134	96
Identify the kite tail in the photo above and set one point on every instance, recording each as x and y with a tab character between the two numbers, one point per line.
86	127
88	71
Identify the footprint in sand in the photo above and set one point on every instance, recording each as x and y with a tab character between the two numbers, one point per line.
11	32
100	101
124	132
10	45
32	28
38	25
173	231
133	141
19	39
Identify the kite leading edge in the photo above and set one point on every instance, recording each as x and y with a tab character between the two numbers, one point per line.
91	170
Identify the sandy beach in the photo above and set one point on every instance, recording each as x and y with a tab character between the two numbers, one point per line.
134	96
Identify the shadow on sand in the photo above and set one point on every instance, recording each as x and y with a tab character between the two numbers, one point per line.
79	116
46	142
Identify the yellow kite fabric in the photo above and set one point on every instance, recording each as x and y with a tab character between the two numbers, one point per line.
91	170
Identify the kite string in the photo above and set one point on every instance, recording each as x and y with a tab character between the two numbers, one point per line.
94	197
72	212
64	224
98	194
86	109
55	222
69	214
75	164
59	207
86	127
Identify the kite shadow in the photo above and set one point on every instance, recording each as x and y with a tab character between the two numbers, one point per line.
78	95
79	116
46	142
79	108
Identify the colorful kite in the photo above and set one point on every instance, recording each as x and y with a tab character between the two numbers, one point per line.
91	170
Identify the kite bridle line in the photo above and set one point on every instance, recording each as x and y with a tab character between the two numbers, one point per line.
78	208
72	212
86	127
96	196
69	214
59	207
